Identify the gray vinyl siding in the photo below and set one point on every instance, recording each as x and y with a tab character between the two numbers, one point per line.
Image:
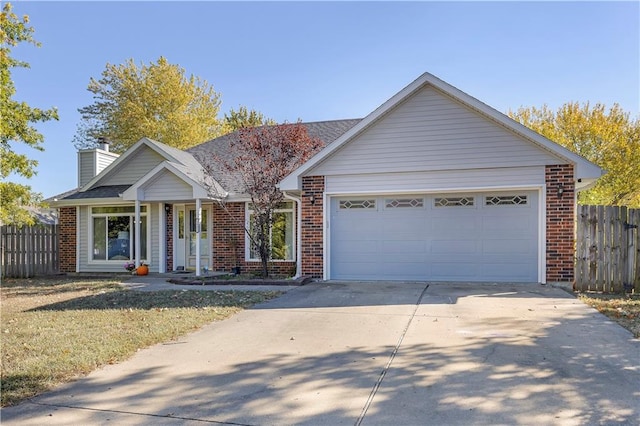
436	180
167	186
129	171
104	160
83	241
430	131
86	167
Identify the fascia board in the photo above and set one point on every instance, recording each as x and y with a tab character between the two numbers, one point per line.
87	202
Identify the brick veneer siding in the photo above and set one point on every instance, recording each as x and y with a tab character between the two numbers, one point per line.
312	229
560	223
67	239
228	242
169	238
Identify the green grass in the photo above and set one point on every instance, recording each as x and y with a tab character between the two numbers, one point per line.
55	330
622	308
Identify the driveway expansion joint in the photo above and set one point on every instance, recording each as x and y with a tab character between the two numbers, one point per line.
164	416
374	391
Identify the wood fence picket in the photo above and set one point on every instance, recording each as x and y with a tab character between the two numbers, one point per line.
607	249
28	251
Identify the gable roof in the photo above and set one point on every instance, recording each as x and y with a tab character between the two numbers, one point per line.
167	152
584	168
326	131
202	185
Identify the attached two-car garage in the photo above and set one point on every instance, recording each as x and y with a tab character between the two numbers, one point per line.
488	236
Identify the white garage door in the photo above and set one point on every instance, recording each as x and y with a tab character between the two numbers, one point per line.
491	236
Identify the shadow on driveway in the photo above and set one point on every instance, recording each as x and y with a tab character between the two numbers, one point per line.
350	353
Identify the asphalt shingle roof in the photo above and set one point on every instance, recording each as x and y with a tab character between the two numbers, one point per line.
110	191
193	159
325	131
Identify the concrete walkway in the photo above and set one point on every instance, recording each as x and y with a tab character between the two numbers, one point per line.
373	354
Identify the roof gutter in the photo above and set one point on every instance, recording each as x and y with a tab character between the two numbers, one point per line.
86	202
298	202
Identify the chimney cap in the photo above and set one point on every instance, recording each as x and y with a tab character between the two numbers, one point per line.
103	140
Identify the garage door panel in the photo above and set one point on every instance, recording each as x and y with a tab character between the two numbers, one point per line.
364	228
456	221
454	247
510	272
459	271
509	247
407	270
482	242
507	223
357	250
392	227
397	250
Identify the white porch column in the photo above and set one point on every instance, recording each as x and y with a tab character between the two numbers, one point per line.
198	230
137	232
162	238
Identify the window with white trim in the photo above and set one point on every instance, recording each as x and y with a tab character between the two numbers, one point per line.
113	233
400	203
506	200
281	234
357	204
453	201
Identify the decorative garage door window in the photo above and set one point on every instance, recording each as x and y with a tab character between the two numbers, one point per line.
505	200
454	201
398	203
358	204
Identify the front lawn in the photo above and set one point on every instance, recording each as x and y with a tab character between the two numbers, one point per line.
622	308
54	330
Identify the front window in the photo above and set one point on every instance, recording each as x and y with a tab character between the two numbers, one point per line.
281	234
114	233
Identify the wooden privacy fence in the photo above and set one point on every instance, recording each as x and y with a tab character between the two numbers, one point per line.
29	250
607	249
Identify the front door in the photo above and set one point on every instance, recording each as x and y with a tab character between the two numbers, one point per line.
186	225
192	238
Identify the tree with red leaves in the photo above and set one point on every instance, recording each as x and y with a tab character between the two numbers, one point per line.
260	158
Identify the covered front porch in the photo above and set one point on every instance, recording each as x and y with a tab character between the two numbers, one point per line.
185	203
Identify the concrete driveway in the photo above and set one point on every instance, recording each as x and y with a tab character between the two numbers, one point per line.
373	354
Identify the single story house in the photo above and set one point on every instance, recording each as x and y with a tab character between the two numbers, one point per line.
433	185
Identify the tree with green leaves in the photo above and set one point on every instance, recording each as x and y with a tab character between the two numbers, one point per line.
16	124
606	137
243	117
156	101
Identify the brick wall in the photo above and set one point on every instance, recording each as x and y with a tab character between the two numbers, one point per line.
169	239
312	229
228	242
560	223
67	239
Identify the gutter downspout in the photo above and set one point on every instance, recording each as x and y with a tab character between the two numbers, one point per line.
298	202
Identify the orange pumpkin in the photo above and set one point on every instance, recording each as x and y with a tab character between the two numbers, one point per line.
142	270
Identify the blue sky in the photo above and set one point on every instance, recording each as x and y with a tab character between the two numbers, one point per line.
323	61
